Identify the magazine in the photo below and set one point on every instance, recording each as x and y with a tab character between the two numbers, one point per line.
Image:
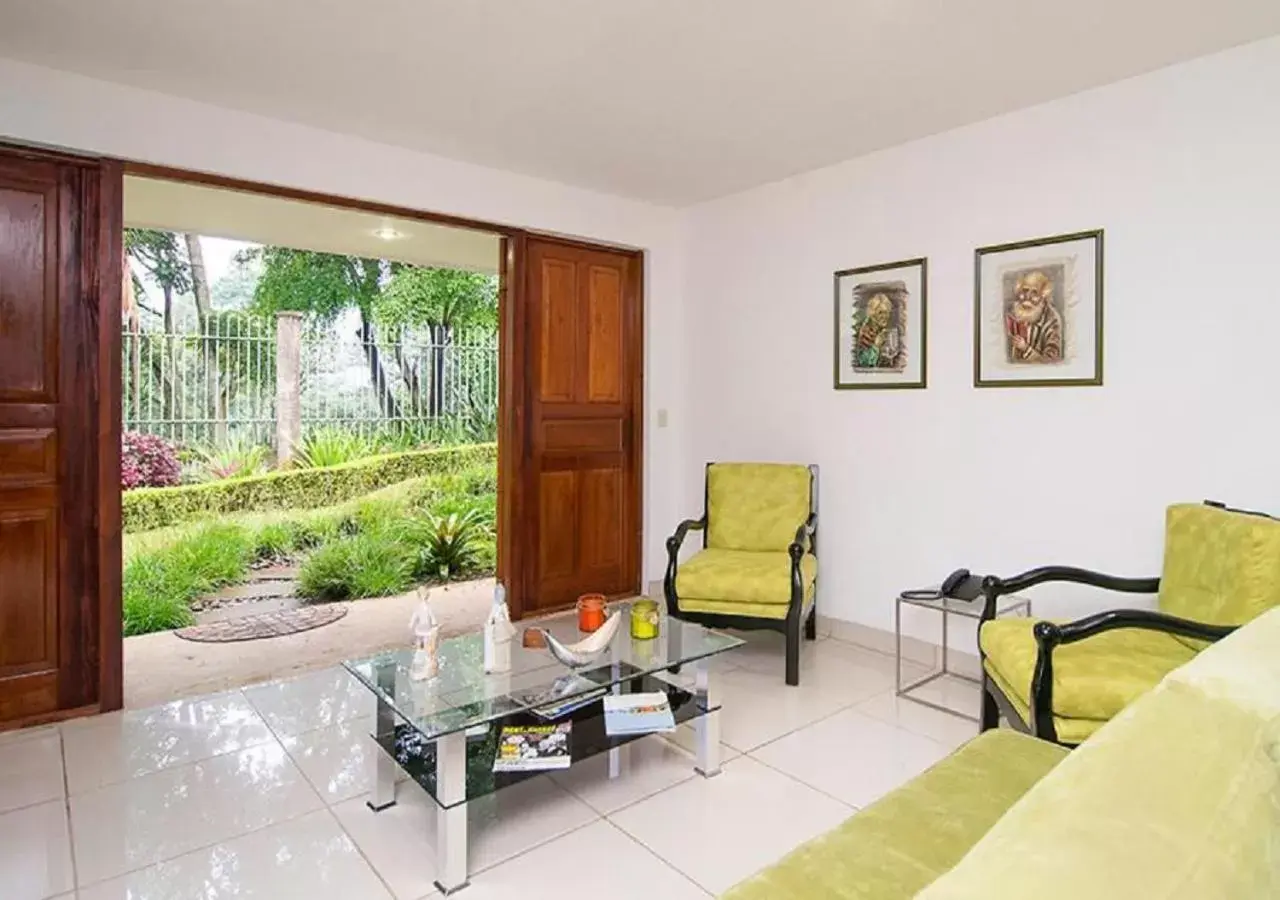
637	714
533	748
565	694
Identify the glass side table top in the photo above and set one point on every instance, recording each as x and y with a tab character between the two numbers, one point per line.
463	695
971	609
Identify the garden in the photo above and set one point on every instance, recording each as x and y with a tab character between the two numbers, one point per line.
373	524
389	479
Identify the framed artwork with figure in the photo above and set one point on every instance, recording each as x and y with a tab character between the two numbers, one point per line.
880	325
1037	317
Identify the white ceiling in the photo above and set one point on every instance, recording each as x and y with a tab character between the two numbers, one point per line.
667	100
263	219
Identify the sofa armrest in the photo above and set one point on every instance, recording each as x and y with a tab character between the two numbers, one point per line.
673	560
1049	635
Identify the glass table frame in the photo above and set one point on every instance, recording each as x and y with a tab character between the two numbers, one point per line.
429	729
1011	604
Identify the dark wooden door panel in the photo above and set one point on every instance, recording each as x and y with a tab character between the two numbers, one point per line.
582	484
28	284
51	335
28	571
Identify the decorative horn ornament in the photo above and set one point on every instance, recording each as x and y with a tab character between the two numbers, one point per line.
588	649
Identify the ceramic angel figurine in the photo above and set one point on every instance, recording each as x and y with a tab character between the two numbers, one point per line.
498	633
426	640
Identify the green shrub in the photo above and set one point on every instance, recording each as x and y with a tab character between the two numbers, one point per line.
238	458
150	508
446	543
160	584
368	565
332	447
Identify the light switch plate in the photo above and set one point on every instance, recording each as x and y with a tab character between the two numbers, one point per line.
662	418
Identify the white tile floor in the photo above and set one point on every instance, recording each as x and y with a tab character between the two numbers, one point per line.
261	794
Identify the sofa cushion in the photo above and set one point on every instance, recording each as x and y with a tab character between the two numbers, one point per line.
1177	798
1220	566
755	506
1093	679
905	840
739	576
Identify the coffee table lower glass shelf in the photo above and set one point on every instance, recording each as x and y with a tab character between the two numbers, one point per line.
416	755
443	733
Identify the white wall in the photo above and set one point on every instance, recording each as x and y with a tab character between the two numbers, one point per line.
1182	169
45	106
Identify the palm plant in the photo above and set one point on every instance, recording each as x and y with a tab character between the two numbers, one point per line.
447	543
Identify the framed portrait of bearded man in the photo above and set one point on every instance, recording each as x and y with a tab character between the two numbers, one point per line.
1037	319
880	322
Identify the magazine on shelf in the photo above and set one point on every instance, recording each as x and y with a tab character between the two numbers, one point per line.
563	696
637	714
533	748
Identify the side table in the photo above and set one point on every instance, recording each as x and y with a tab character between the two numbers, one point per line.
1011	604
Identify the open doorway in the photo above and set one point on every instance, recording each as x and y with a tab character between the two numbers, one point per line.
309	399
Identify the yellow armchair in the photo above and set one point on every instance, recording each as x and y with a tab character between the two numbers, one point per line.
1063	681
758	567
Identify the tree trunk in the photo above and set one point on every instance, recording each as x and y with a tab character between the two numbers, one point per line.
412	381
377	375
208	328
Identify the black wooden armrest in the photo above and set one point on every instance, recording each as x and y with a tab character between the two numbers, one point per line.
673	560
1050	634
803	534
995	586
682	530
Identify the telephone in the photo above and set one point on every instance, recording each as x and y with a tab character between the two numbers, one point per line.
959	585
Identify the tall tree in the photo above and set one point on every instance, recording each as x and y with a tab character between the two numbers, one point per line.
445	302
163	259
323	285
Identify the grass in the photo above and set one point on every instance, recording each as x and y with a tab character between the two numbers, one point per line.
160	586
379	544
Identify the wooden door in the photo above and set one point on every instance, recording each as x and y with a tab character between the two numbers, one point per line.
583	360
57	221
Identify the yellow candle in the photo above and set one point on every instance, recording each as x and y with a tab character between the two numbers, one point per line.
644	620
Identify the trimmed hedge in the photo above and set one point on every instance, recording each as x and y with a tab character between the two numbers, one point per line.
145	509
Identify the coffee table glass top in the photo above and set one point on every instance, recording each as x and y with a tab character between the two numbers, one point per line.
463	695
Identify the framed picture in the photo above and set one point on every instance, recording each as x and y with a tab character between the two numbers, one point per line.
1037	316
880	325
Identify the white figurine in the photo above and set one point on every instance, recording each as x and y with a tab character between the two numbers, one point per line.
498	633
426	640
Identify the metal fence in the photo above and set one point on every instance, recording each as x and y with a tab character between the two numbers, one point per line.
216	382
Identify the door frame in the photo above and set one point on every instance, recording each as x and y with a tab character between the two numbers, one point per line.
513	432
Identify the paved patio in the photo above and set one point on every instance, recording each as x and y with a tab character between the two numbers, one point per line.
160	667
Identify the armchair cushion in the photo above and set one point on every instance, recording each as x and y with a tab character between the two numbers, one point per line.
741	578
1220	566
1093	679
755	506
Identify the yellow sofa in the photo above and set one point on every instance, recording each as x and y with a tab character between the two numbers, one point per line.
1176	798
1063	681
758	567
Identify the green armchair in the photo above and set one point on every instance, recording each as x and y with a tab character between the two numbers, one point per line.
759	564
1063	681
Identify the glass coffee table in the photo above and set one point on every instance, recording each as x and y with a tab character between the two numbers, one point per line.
444	732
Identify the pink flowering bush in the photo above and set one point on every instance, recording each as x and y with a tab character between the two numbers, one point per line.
148	461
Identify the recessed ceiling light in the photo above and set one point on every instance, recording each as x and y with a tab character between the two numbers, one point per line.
387	233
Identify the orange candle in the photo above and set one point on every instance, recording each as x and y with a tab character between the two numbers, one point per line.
590	612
